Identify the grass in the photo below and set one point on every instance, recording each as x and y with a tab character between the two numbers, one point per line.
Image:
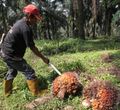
66	55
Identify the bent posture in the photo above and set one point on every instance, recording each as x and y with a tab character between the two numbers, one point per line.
13	48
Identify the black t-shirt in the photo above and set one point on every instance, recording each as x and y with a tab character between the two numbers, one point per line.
18	38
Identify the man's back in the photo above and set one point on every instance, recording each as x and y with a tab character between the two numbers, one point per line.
17	39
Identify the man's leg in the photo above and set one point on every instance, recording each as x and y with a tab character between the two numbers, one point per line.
32	80
8	81
28	72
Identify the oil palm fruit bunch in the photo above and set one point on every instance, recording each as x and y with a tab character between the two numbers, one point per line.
66	84
102	95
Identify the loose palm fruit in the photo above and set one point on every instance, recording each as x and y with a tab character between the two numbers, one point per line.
103	95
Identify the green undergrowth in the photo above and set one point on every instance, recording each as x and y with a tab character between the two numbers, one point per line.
84	57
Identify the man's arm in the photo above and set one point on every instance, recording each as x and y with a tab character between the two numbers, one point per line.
39	54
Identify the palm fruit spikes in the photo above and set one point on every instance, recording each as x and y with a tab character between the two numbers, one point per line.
102	95
106	98
66	84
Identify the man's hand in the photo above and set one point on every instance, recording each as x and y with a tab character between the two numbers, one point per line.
46	60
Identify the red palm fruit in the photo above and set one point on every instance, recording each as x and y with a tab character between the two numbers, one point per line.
106	99
103	95
66	84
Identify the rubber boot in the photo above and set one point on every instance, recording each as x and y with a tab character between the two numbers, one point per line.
8	87
33	87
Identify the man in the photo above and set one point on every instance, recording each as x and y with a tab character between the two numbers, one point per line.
13	48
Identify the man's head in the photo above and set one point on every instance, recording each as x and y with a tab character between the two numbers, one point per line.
32	13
